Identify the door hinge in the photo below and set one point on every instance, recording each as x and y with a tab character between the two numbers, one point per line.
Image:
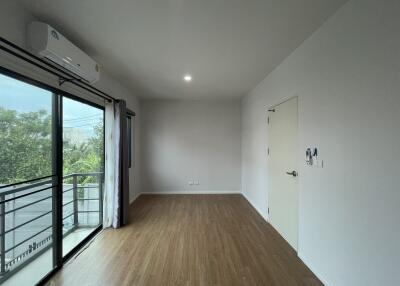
268	120
268	210
267	151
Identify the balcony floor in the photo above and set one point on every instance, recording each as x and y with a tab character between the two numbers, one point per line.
38	268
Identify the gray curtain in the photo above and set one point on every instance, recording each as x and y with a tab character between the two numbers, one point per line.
124	161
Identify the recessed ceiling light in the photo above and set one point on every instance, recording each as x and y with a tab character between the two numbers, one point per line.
187	77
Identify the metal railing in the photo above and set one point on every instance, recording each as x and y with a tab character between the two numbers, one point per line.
26	208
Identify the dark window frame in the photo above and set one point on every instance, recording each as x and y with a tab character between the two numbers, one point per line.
58	259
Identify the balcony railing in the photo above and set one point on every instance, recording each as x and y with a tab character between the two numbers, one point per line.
26	215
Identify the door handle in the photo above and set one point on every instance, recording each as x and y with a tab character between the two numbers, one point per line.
293	173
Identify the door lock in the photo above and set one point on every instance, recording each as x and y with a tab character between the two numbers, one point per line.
293	173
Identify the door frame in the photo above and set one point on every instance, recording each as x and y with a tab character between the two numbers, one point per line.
298	164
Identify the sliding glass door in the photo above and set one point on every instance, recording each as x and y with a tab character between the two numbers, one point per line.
83	157
27	181
51	177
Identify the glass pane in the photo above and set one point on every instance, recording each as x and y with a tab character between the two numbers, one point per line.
26	214
83	151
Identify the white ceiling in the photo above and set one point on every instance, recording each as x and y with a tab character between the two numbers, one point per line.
227	45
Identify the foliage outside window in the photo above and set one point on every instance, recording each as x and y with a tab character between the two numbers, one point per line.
26	148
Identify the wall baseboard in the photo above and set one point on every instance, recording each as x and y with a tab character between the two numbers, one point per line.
316	273
192	193
255	207
313	270
185	193
134	198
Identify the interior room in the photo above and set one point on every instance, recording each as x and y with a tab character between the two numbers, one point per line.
199	142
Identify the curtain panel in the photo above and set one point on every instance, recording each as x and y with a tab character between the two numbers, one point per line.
116	173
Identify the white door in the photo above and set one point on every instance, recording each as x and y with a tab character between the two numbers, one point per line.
282	170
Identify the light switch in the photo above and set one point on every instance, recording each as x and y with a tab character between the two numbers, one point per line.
312	158
190	183
196	182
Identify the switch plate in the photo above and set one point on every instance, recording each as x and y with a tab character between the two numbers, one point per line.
312	158
190	183
196	182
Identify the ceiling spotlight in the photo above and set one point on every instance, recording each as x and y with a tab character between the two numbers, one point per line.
187	77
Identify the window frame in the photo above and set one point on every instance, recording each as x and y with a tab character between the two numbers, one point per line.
58	259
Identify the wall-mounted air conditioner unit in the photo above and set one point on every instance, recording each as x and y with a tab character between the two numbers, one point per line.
46	42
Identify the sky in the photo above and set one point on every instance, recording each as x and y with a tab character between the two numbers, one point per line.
23	97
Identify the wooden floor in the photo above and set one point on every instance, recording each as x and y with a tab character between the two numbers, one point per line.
189	240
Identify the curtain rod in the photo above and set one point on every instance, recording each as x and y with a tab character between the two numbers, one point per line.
63	77
130	112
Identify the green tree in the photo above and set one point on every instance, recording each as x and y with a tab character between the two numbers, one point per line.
85	157
25	145
26	148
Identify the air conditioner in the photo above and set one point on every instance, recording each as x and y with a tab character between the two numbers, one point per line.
48	43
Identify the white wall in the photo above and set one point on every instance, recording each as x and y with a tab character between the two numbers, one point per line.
13	21
186	140
347	77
